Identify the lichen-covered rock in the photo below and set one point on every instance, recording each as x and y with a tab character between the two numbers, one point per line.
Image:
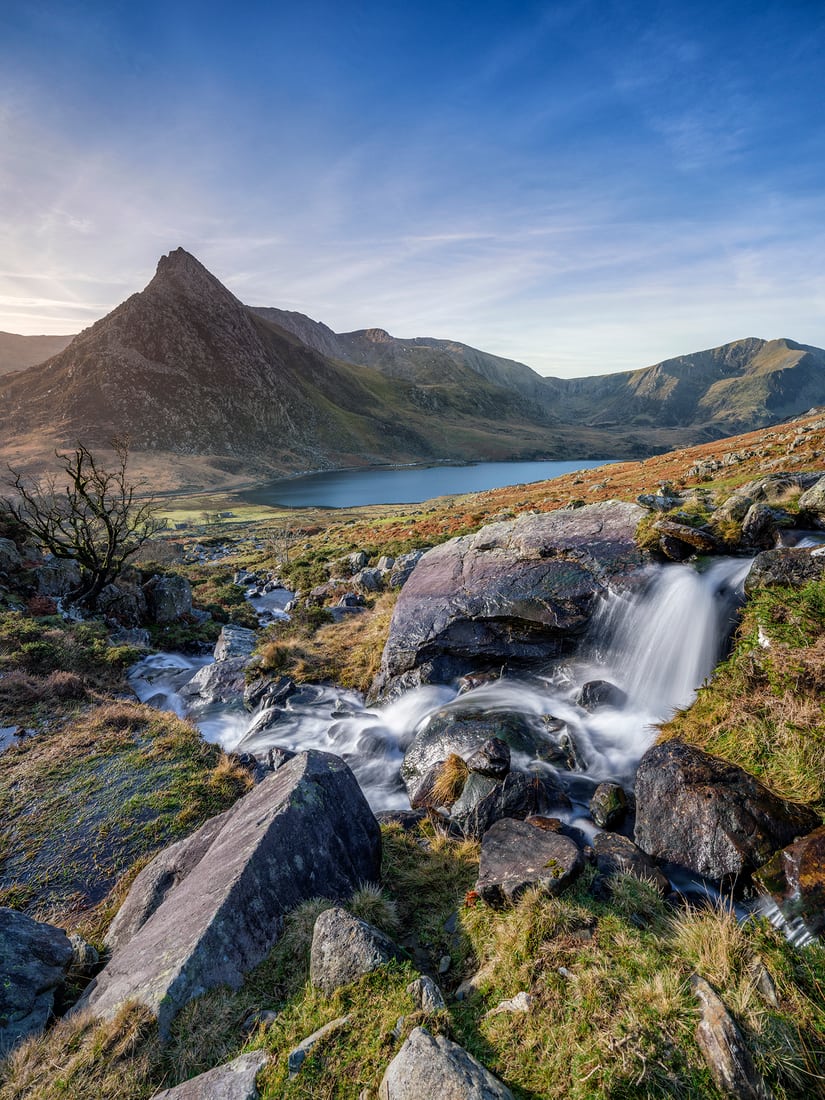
516	854
512	593
168	598
433	1066
233	1081
723	1047
34	959
812	501
608	805
787	567
304	831
710	816
345	948
795	880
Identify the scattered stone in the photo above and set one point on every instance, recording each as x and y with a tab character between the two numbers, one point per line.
277	756
600	693
698	539
233	1081
520	795
34	959
407	819
85	958
371	580
522	1002
348	565
444	964
608	805
615	854
710	816
795	880
724	1048
299	1055
433	1066
491	760
263	1017
345	948
515	855
305	831
426	994
511	593
123	604
761	525
812	501
9	556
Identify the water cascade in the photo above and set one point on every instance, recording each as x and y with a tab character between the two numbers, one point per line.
657	646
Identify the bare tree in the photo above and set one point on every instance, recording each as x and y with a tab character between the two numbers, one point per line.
281	540
91	516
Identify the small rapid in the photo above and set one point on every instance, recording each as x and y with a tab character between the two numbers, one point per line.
656	646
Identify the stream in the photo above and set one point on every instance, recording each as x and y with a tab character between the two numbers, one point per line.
657	646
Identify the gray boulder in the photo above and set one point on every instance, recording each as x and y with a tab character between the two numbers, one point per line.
168	598
608	805
697	540
787	567
771	489
345	948
9	556
812	501
57	577
234	641
371	580
426	994
517	854
224	680
34	959
433	1066
401	569
123	604
701	812
305	831
512	593
233	1081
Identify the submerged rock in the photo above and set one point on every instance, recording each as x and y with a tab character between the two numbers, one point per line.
710	816
305	831
513	593
600	693
433	1066
34	959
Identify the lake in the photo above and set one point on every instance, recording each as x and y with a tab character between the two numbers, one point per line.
405	484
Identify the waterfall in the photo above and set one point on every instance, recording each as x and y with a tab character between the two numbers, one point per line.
657	646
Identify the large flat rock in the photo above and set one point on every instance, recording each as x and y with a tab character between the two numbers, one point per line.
305	831
513	593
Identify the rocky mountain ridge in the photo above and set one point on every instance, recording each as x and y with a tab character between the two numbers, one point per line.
210	389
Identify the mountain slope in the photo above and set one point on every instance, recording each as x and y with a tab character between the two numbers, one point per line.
19	352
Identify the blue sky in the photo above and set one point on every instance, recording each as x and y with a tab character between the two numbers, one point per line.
585	186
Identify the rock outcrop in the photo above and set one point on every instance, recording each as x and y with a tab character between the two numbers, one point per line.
304	831
788	567
516	854
511	594
224	680
233	1081
701	812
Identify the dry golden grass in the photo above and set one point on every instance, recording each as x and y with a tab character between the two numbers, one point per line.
450	781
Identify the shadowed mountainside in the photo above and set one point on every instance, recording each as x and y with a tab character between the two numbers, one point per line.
19	352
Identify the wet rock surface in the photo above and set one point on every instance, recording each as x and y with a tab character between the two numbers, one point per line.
795	880
514	592
345	948
34	959
707	815
521	794
608	805
305	831
434	1066
516	854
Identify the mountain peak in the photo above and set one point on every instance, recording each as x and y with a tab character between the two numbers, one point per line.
181	272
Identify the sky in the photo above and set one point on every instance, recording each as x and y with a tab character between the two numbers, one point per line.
586	186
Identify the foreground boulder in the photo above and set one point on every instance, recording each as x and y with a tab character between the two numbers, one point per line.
710	816
305	831
516	855
34	958
433	1066
234	1081
512	593
795	880
345	948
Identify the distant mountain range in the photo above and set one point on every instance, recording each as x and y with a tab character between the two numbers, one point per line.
217	389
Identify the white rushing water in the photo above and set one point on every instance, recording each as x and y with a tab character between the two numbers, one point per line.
657	646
